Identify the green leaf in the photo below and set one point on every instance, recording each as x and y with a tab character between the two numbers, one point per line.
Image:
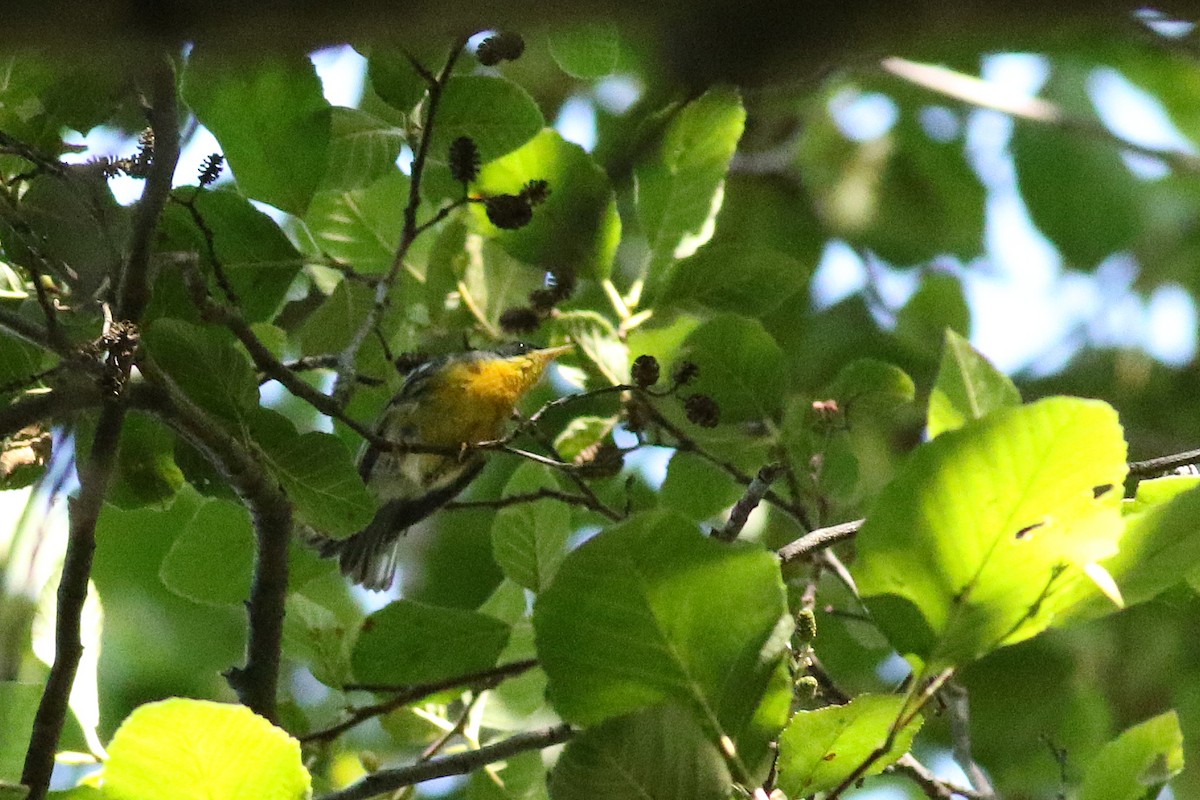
197	750
967	387
362	149
361	226
314	636
41	94
697	488
577	228
212	561
18	705
741	277
984	529
407	642
318	473
650	610
253	252
71	226
819	749
597	342
741	367
208	368
529	540
271	119
678	187
18	360
582	433
657	753
336	321
393	78
937	306
587	50
1056	172
497	114
868	386
522	777
1160	546
1137	763
146	469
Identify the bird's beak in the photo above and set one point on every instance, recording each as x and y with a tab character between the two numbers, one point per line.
548	354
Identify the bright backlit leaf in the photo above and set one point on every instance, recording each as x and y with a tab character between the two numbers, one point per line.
977	541
198	750
1137	763
819	749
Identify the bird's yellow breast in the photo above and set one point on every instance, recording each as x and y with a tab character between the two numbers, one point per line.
471	400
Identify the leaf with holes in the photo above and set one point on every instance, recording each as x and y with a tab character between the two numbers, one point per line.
979	539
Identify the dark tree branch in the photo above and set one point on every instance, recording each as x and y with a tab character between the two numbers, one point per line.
544	493
96	475
1162	464
54	404
26	329
411	694
256	683
748	502
388	780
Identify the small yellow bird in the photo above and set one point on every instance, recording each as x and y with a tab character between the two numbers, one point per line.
462	398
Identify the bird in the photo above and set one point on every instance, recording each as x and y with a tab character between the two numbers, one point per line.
450	401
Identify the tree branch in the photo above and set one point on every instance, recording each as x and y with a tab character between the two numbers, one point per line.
411	694
817	540
346	366
748	502
388	780
256	683
96	475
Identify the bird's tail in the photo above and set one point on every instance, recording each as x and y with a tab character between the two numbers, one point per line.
369	556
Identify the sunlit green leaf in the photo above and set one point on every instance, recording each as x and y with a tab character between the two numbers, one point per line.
1137	763
967	387
196	749
577	228
677	187
977	541
651	610
819	749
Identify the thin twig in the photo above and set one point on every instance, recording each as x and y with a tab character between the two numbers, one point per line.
977	92
347	366
815	541
748	502
96	475
271	512
1157	466
959	706
437	744
388	780
930	785
543	493
410	694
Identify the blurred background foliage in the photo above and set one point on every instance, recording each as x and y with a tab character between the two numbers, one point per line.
804	237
